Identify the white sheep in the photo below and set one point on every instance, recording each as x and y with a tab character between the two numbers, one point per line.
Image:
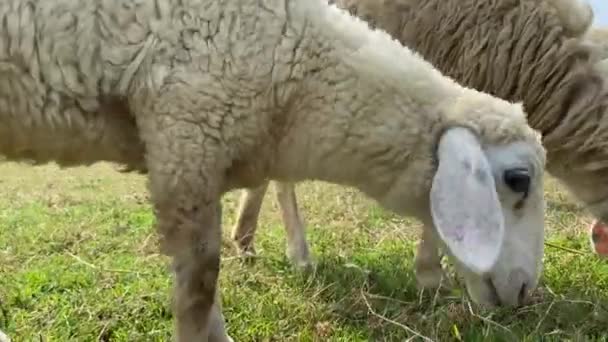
557	26
207	96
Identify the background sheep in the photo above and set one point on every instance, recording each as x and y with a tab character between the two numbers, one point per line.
149	86
539	58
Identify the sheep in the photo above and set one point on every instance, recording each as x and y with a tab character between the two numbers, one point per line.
208	96
562	80
559	81
576	17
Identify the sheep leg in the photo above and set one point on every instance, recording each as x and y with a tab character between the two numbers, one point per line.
217	326
297	247
428	261
191	235
250	205
243	232
185	171
217	329
197	270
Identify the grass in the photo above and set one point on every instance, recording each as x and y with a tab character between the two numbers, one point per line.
79	262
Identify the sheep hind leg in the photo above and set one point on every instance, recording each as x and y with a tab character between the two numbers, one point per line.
244	229
185	171
297	248
250	205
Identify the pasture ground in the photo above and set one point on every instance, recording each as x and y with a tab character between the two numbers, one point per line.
79	262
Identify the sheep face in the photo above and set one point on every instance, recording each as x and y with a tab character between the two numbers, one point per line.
487	207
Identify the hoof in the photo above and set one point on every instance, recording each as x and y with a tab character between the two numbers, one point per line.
246	253
300	259
429	278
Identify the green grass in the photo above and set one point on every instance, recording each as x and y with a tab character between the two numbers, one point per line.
79	262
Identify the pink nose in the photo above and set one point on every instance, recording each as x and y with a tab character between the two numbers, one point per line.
599	238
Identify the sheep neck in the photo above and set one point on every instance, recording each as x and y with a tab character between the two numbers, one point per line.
574	123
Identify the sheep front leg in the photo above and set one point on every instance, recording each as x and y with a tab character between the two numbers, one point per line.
189	224
297	247
243	231
191	235
186	166
428	261
217	329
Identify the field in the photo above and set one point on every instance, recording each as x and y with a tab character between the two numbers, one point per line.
79	262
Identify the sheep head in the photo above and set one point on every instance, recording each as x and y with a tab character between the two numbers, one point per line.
487	207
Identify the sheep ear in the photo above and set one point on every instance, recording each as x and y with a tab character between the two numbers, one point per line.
464	204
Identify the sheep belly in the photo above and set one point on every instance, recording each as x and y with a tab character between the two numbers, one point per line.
60	85
72	71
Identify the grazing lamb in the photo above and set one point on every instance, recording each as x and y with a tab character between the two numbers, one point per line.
207	96
576	17
519	50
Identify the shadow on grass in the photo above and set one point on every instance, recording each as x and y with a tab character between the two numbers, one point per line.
385	283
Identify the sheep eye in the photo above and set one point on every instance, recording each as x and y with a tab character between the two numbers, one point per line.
518	180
